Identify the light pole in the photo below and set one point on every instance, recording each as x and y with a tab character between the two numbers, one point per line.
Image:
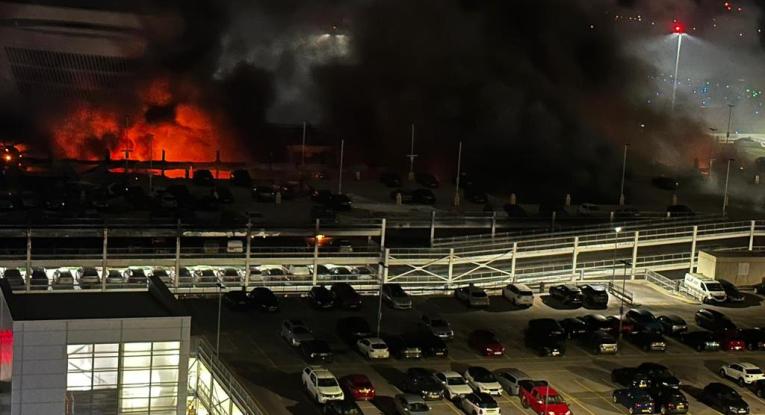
624	172
613	255
730	117
411	156
459	172
621	306
381	274
221	286
725	192
340	175
679	30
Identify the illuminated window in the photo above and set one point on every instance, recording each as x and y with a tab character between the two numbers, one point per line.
92	367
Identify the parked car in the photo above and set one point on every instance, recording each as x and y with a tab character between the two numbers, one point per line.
203	177
351	329
754	338
404	346
713	320
649	341
236	300
453	384
316	351
510	379
396	297
518	294
482	380
618	323
241	178
345	407
742	372
410	404
701	340
731	340
757	388
542	398
39	280
295	332
479	404
672	325
643	320
732	292
432	345
596	322
627	212
321	384
594	296
600	342
485	343
427	180
346	296
472	296
669	400
63	279
320	297
88	278
630	378
264	299
546	336
14	278
724	399
678	211
659	375
421	382
263	193
636	400
437	326
390	179
358	386
573	327
373	348
568	294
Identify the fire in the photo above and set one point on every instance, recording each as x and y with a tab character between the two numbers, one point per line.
162	120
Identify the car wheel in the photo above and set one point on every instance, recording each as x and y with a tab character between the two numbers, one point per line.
741	382
699	348
524	402
631	410
760	393
722	372
663	410
614	398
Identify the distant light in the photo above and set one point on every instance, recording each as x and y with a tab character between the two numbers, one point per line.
618	229
678	27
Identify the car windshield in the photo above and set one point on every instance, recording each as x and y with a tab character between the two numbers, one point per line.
485	377
753	371
713	286
439	323
379	346
455	381
526	293
554	399
487	404
478	293
418	406
327	382
300	330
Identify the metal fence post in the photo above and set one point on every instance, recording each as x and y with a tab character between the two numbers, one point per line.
693	247
315	276
104	256
248	247
634	254
512	261
28	281
574	256
386	257
432	226
382	233
751	235
493	224
450	275
176	281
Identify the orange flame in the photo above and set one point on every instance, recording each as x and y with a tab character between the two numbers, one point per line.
191	133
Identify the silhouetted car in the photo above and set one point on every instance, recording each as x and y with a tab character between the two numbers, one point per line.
723	398
263	299
660	375
515	211
680	211
596	322
427	180
713	320
546	336
568	294
346	296
316	351
630	377
626	326
263	193
643	320
358	386
731	340
672	324
236	300
594	295
222	195
486	343
636	400
573	327
344	407
666	183
431	345
669	400
405	346
14	278
733	294
241	178
757	388
390	179
627	213
321	297
754	338
701	340
203	177
350	329
421	382
649	341
340	202
599	342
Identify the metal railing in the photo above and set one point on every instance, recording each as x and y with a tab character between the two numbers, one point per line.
662	281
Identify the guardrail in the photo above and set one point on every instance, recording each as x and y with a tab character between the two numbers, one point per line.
622	294
662	281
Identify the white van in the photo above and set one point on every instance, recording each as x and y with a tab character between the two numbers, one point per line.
705	289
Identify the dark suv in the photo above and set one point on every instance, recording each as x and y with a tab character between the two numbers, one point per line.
713	320
346	296
669	400
546	336
568	294
594	296
724	399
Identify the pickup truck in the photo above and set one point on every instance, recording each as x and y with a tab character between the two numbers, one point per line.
541	398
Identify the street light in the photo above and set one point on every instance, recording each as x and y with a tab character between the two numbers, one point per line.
725	192
221	286
678	29
624	287
613	255
624	172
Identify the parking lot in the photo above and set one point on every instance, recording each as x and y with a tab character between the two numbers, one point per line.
251	346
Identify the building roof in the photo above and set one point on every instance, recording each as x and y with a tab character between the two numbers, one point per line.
155	302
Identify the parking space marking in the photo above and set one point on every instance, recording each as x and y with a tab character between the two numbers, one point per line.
597	394
257	346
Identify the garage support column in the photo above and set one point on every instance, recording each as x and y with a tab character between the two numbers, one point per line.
248	247
29	259
450	274
693	248
382	233
432	227
176	280
386	257
493	224
315	277
634	254
574	256
104	255
512	261
751	235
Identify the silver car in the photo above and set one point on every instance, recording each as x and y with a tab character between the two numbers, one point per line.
438	326
509	379
295	332
410	404
518	295
396	297
472	296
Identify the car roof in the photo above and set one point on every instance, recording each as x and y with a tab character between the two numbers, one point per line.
412	398
374	340
450	374
357	378
321	372
747	365
515	372
478	369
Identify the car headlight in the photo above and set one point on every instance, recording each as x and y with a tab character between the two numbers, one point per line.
313	355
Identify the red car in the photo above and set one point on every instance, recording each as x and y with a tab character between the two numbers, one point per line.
486	343
731	340
627	326
542	398
358	386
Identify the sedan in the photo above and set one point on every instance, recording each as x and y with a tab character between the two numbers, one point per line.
438	326
568	294
596	322
573	327
649	341
263	299
358	386
637	401
600	342
472	296
669	400
713	320
643	320
373	348
486	343
672	325
701	340
453	384
396	297
316	351
421	382
482	380
320	297
410	404
346	296
595	296
724	399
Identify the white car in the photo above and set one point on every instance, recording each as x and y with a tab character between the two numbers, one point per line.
742	372
373	348
472	296
588	209
295	332
479	404
482	380
453	383
321	384
518	294
509	379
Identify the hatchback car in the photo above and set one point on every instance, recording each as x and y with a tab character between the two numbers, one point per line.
637	401
472	296
594	296
486	343
479	404
420	381
358	386
482	380
263	299
567	294
643	320
320	297
672	325
518	295
410	404
396	297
